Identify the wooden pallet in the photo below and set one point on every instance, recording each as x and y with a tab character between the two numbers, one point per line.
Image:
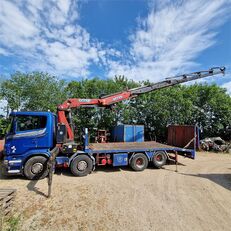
6	200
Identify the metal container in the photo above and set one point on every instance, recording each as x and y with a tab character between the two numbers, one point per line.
184	136
128	133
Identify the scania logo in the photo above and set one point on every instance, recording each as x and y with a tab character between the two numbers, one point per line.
13	149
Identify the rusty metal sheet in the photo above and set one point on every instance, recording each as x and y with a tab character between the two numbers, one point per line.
127	145
180	135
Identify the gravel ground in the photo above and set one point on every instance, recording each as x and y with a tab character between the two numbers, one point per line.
197	197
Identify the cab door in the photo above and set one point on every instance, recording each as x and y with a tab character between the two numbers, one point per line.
30	132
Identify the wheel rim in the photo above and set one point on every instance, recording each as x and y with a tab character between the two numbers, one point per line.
82	165
159	158
37	168
140	162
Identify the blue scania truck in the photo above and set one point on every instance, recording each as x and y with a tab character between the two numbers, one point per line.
33	136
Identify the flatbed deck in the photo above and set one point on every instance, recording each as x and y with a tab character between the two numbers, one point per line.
128	145
136	146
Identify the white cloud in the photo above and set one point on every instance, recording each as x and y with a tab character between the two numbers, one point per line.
46	36
169	39
227	86
15	28
3	104
3	51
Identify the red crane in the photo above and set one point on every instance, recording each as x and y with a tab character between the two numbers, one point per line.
64	110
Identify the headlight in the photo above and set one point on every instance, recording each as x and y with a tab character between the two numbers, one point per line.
5	162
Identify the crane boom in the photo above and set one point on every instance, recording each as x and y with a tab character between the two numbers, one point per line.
171	81
108	100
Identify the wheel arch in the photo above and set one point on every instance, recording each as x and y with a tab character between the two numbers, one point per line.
30	155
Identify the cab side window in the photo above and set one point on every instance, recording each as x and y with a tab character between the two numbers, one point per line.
26	123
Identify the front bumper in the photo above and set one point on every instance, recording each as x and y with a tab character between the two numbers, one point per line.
11	167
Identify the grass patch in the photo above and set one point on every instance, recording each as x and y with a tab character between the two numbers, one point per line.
12	223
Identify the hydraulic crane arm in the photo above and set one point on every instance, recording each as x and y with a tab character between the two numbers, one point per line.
108	100
171	81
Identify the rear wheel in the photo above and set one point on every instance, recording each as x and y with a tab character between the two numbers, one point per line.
81	165
36	168
159	159
139	162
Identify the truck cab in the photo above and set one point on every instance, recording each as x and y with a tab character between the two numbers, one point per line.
30	137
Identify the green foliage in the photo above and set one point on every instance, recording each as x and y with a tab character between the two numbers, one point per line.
206	105
209	106
211	109
36	91
4	123
94	88
158	109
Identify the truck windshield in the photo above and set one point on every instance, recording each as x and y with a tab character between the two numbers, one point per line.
28	122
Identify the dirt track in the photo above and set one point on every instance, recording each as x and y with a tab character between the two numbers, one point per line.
198	197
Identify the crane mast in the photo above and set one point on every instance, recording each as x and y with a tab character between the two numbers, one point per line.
64	110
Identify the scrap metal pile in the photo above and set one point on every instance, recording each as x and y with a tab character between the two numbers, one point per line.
215	144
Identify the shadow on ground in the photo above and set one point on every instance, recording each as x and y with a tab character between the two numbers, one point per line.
110	169
106	169
31	186
223	180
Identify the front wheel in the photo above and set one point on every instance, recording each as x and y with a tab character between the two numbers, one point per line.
81	165
36	168
139	162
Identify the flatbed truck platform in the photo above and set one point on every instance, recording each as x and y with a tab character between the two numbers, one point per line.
146	146
136	154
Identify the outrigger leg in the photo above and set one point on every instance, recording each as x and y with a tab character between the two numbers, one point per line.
51	167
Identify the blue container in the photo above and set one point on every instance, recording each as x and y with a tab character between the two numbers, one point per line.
128	133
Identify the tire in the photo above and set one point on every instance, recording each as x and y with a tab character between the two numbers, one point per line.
81	165
159	159
139	162
36	168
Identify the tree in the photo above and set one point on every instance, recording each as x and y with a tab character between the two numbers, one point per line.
206	105
4	123
158	109
209	106
94	88
211	109
36	91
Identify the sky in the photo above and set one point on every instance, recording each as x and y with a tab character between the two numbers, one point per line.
140	39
